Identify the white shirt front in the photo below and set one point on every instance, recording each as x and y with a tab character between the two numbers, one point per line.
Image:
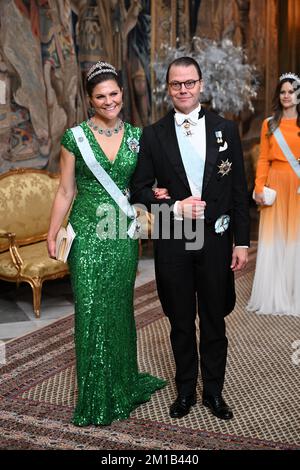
197	142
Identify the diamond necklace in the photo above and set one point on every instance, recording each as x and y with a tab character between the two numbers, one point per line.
109	131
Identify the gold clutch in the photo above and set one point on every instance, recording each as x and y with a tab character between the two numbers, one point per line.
64	240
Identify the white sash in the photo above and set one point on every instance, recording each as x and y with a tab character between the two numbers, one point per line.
287	152
106	181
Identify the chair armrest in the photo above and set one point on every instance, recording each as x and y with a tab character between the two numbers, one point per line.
5	234
13	249
8	235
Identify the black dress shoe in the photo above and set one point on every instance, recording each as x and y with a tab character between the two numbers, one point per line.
182	405
218	406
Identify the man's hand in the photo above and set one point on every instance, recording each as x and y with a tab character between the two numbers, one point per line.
192	207
239	258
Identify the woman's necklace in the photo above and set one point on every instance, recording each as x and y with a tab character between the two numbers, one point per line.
109	131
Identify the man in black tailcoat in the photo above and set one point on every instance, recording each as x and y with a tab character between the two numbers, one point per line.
197	156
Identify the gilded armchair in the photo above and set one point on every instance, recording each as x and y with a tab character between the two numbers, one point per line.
26	197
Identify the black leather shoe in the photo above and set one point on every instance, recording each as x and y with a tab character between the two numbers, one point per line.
218	406
182	405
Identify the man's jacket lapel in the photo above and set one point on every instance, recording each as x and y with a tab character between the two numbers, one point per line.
167	136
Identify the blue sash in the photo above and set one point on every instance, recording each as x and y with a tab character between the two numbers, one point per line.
294	163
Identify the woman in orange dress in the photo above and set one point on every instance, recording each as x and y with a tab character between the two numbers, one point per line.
276	286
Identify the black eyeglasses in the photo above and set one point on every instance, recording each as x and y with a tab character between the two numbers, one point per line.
188	84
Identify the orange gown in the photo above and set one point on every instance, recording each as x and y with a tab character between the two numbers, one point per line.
276	285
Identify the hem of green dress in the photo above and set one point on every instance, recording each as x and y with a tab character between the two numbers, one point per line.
95	421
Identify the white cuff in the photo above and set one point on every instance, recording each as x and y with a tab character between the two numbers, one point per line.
176	213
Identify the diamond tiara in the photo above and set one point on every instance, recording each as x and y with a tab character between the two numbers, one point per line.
100	67
290	75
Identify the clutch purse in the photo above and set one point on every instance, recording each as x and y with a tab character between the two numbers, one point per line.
269	195
64	240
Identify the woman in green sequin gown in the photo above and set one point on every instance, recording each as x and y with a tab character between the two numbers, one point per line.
102	274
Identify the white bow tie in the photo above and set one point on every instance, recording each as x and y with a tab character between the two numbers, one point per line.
192	117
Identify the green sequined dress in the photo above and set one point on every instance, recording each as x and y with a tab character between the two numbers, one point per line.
103	274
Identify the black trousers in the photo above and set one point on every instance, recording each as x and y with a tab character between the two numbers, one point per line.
191	281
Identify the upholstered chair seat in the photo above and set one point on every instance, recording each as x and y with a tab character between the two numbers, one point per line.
36	262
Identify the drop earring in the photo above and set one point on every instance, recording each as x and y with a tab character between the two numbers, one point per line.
91	111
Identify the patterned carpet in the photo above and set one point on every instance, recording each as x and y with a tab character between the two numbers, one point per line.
262	386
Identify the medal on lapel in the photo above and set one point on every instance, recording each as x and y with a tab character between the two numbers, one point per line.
222	224
219	137
224	167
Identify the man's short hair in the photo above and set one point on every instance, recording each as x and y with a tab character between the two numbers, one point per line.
185	62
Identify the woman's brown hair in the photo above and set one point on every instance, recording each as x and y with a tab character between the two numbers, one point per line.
274	122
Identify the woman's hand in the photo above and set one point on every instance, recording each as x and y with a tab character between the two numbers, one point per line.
161	193
51	246
259	199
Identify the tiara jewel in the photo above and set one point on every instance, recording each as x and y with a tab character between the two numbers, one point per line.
290	75
101	71
100	67
100	64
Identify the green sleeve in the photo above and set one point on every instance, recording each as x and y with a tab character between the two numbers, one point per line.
68	141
